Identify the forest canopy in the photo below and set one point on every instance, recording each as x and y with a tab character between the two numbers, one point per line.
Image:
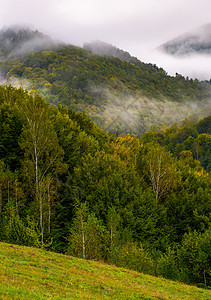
139	202
120	96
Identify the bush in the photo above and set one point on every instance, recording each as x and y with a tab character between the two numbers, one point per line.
133	256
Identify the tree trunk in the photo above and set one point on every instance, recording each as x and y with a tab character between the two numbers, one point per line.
84	248
49	210
83	239
38	193
205	281
1	200
8	189
111	235
16	197
41	220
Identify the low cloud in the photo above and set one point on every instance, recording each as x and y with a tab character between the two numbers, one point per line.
193	66
17	41
138	114
135	26
16	82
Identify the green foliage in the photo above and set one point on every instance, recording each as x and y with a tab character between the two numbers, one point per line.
113	222
167	265
10	129
161	170
203	126
193	137
93	84
16	232
195	258
87	235
139	203
150	224
133	256
104	180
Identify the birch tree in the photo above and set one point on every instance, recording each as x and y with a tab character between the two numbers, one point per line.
2	180
79	239
161	171
43	155
87	238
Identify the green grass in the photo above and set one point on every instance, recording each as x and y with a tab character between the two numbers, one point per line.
29	273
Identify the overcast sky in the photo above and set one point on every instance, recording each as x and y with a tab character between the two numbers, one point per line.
137	26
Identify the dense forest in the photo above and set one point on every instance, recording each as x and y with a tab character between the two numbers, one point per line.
141	202
121	94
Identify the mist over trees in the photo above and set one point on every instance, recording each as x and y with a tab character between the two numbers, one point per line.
68	186
18	41
120	93
195	42
105	158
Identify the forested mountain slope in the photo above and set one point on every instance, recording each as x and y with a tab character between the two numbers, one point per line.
17	41
141	202
196	42
121	96
68	186
105	49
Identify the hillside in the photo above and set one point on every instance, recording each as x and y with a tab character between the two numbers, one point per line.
17	41
105	49
142	204
195	42
120	96
30	273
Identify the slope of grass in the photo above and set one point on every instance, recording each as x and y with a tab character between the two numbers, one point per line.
29	273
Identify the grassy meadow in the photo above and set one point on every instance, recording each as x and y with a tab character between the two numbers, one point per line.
29	273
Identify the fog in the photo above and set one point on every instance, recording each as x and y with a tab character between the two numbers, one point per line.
138	114
134	114
136	26
17	41
193	66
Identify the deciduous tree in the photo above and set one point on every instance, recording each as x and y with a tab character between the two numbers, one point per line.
43	155
161	170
